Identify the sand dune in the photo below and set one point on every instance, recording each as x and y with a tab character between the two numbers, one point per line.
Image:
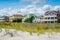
20	35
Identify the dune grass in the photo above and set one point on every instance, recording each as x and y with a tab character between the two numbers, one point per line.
32	27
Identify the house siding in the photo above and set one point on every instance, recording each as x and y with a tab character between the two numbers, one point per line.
50	16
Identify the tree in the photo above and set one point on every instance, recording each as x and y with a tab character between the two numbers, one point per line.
26	20
30	18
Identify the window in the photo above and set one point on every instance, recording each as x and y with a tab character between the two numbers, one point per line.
48	17
52	17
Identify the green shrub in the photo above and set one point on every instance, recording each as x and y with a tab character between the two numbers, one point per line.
58	21
17	20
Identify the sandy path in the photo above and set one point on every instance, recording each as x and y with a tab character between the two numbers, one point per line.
19	35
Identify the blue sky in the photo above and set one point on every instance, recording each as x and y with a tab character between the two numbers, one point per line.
19	3
12	3
53	2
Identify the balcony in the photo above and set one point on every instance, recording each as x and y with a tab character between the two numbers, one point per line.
49	20
51	16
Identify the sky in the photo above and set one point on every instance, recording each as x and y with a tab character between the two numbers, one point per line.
20	3
27	6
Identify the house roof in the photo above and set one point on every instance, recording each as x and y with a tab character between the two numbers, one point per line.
3	16
54	12
17	15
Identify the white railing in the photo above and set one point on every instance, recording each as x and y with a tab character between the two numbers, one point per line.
50	16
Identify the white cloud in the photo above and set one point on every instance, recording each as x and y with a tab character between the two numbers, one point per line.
47	7
29	9
35	1
57	8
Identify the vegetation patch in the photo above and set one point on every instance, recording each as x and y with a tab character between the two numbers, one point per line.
32	27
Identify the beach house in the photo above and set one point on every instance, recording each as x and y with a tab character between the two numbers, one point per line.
50	17
15	16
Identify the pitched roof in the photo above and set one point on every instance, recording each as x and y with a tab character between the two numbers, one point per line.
17	15
54	12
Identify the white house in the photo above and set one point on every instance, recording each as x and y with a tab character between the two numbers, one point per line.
4	19
36	20
50	16
1	19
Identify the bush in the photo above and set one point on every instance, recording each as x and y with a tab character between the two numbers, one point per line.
17	20
58	21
